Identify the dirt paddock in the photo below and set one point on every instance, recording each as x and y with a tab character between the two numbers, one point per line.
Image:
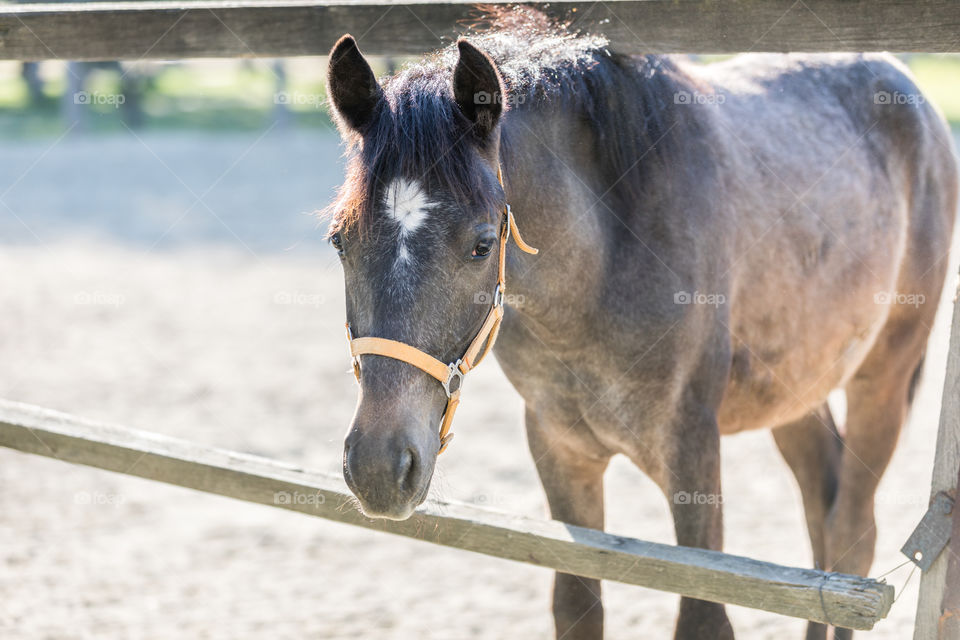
178	284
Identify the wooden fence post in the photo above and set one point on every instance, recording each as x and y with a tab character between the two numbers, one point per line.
938	611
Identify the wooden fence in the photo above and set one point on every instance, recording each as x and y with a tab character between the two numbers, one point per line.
844	600
272	28
269	28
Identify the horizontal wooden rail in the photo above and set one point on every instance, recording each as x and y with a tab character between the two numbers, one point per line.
843	600
170	29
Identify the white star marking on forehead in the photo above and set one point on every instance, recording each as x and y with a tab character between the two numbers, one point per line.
407	205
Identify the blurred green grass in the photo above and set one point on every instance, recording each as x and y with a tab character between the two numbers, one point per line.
225	96
939	78
244	95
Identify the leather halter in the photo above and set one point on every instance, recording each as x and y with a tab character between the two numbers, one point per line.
450	376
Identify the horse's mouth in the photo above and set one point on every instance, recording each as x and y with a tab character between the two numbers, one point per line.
396	514
422	496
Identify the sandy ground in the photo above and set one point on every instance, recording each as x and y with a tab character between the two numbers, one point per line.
177	284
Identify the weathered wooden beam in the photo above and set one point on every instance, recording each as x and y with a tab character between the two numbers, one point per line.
937	611
171	29
843	600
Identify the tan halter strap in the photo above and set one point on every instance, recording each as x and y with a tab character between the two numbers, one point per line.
450	376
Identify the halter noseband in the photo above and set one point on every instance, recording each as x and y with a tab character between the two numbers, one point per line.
450	375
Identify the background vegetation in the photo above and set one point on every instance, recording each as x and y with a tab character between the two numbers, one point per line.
241	95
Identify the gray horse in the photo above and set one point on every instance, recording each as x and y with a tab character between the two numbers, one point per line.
720	247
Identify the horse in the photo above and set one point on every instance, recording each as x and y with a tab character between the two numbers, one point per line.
720	247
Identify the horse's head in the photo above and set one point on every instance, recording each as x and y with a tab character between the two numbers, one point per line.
418	229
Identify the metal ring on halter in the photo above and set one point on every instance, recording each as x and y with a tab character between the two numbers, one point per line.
498	296
455	374
354	360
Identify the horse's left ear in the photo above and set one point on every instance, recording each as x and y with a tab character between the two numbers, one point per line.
478	89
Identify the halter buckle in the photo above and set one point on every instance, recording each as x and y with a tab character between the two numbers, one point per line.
454	381
354	360
498	296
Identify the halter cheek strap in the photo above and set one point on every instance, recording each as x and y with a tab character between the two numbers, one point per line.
451	375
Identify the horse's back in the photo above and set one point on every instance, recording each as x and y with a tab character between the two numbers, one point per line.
842	184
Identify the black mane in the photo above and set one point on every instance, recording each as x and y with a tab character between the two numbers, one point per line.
628	102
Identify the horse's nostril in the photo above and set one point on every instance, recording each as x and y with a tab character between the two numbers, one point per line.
407	468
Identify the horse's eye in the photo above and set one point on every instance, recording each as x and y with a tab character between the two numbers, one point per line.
337	242
483	249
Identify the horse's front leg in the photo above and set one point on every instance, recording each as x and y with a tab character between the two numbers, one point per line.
571	466
692	484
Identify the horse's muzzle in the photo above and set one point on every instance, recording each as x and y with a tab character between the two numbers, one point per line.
387	470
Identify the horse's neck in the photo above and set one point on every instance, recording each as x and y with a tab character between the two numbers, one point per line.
551	189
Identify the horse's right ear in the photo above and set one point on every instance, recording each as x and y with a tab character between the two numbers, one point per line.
353	89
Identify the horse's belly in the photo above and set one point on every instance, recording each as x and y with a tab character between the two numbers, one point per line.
795	337
776	383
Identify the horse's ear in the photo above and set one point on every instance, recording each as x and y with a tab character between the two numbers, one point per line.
353	89
477	88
